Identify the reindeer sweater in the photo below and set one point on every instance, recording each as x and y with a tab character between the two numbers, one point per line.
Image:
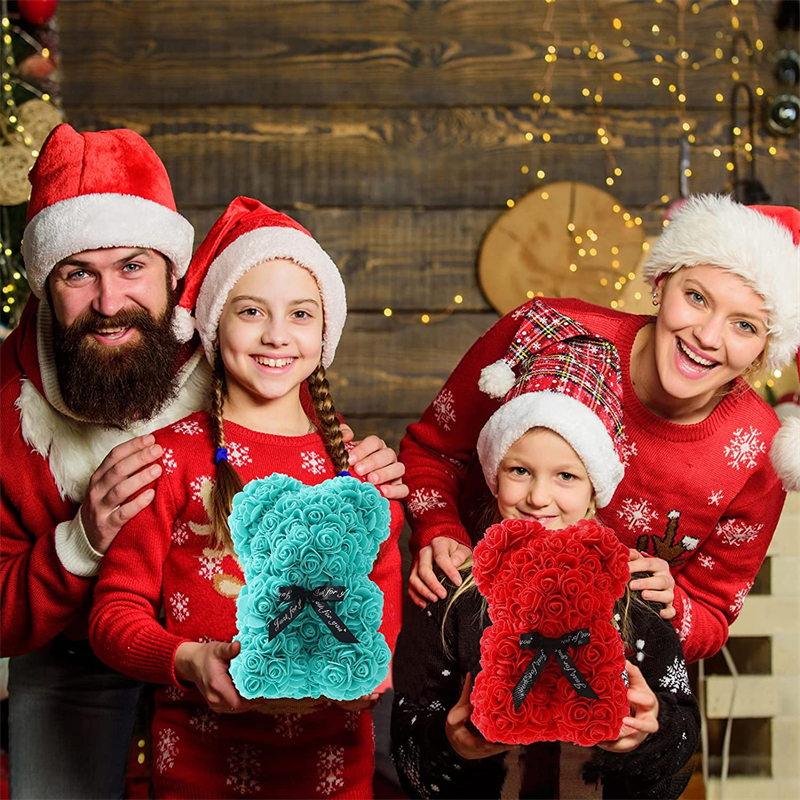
165	562
703	497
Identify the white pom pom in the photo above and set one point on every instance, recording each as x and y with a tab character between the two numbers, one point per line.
182	324
785	454
496	380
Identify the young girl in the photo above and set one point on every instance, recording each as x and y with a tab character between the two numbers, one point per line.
700	492
270	307
550	453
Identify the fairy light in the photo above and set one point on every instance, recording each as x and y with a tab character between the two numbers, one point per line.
545	137
773	151
529	136
540	174
510	203
524	169
425	319
458	299
545	195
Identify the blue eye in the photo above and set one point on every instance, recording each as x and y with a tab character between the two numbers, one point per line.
745	327
79	274
695	297
132	267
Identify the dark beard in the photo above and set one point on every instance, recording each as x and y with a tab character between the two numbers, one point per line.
116	386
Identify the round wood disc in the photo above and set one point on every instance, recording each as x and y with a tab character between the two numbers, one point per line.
38	117
564	239
15	161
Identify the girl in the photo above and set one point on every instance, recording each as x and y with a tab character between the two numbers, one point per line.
270	307
550	453
699	493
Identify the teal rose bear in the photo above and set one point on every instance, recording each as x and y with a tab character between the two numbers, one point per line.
308	616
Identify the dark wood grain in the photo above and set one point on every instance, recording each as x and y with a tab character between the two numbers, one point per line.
390	52
463	157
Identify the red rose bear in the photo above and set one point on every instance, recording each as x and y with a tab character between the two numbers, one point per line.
553	664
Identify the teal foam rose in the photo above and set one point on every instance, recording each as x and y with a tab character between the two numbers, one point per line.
289	534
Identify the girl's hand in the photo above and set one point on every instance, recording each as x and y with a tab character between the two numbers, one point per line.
365	703
644	705
449	556
373	459
461	740
206	666
659	588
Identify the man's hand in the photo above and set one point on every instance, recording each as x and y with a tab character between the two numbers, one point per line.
644	719
373	459
660	588
449	555
461	739
206	666
124	471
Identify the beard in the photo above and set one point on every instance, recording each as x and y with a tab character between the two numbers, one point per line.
115	386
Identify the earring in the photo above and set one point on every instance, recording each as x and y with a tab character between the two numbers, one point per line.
655	297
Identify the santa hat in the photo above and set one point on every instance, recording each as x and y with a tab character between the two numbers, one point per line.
246	234
760	244
96	190
566	379
785	449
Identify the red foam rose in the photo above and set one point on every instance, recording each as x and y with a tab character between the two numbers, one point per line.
553	583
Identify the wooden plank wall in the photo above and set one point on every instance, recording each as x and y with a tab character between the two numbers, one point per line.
396	131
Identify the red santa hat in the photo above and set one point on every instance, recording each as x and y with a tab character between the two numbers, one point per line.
566	379
785	449
760	244
249	233
96	190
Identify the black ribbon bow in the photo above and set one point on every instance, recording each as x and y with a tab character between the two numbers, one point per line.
546	647
318	600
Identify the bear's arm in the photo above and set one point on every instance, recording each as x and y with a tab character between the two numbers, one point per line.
658	767
428	680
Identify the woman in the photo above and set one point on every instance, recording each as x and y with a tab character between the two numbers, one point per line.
699	491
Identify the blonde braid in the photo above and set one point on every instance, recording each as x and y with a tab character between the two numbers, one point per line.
228	482
326	413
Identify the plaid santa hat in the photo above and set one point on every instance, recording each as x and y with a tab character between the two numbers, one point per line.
760	244
566	379
91	191
249	233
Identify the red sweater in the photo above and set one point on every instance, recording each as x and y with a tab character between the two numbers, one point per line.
47	565
165	559
703	497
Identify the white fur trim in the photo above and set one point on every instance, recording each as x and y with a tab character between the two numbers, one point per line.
497	379
74	449
785	453
569	418
786	410
97	221
182	324
716	231
263	244
74	550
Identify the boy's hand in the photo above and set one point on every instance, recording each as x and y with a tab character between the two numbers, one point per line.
644	719
449	555
660	587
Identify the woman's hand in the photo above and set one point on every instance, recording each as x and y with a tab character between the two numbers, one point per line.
660	587
423	585
461	740
373	459
206	666
644	720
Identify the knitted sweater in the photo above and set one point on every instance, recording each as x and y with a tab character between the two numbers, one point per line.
47	566
703	497
428	680
165	558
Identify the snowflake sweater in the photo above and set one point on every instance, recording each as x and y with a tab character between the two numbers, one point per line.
428	680
704	497
165	558
47	566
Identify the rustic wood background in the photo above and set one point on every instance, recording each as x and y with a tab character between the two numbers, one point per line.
395	130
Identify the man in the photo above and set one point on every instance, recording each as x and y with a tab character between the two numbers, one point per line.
91	370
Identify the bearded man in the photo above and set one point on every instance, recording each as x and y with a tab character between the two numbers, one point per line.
92	369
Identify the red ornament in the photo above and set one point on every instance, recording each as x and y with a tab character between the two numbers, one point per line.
37	12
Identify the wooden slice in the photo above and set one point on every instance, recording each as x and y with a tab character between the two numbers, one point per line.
533	249
15	161
38	117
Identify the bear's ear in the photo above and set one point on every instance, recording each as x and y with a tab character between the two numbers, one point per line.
496	547
367	506
249	507
613	554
